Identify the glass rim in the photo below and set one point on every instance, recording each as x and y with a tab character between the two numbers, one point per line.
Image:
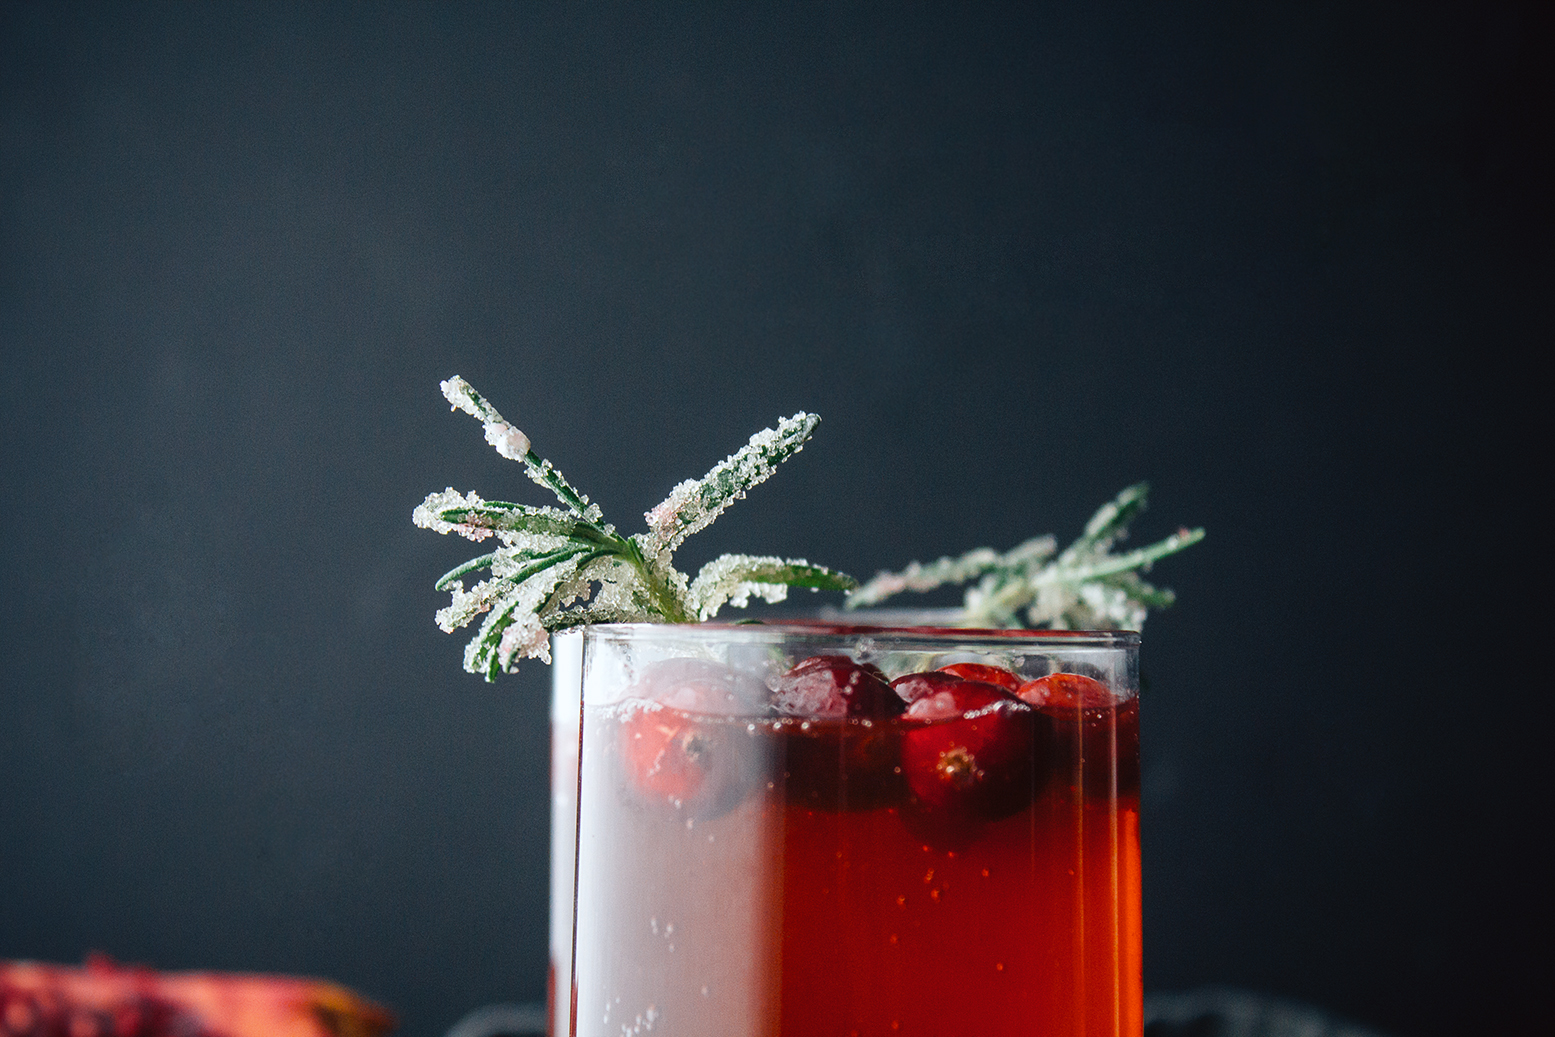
883	636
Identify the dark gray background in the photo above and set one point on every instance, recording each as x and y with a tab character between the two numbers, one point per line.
1287	262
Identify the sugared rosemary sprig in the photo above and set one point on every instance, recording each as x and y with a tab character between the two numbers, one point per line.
563	567
1085	587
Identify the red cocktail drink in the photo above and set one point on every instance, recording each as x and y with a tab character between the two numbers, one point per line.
798	830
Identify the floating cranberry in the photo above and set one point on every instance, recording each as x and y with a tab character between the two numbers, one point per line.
835	686
683	742
1096	732
972	754
1067	691
840	752
985	673
914	686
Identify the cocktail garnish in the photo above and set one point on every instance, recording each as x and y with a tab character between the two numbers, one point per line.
562	567
1085	587
545	574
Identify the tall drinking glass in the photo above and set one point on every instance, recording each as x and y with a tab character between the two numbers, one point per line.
801	829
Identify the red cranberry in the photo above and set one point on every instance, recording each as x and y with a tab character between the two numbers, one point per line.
972	753
914	686
835	686
683	742
1096	733
843	752
1066	691
985	673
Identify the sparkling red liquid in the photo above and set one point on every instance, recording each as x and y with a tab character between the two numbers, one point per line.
809	891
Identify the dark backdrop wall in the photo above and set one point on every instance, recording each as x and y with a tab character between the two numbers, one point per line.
1287	262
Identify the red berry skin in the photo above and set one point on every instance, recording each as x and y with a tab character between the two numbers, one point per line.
835	686
914	686
971	756
1066	691
1096	732
683	743
985	673
841	750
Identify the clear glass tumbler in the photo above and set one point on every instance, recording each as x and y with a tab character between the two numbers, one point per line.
811	829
